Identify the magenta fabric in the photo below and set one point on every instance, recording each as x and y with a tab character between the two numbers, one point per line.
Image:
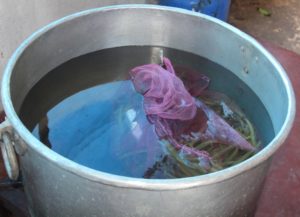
176	114
164	93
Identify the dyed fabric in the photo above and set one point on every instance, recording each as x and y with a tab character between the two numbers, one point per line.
179	117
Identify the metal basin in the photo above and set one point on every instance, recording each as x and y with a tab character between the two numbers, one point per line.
56	186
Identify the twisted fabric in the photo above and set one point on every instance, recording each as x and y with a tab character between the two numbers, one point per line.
177	116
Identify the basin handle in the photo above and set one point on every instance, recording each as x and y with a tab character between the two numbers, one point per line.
7	145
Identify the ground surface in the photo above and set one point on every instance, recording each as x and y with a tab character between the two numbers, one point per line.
281	28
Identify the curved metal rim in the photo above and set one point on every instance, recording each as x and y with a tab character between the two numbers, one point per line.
139	183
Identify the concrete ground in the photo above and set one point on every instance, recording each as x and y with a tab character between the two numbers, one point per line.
281	28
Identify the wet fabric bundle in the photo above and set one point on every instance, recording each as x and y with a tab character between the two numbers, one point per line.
178	116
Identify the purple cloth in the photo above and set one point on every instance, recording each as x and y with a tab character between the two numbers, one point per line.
164	93
177	116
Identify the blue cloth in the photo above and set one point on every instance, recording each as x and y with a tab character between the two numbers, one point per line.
215	8
103	127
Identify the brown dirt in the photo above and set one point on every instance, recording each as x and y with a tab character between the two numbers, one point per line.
281	28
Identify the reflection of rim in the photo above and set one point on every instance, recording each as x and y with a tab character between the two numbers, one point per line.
2	116
138	183
3	173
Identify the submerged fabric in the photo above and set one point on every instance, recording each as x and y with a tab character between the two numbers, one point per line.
176	114
104	128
